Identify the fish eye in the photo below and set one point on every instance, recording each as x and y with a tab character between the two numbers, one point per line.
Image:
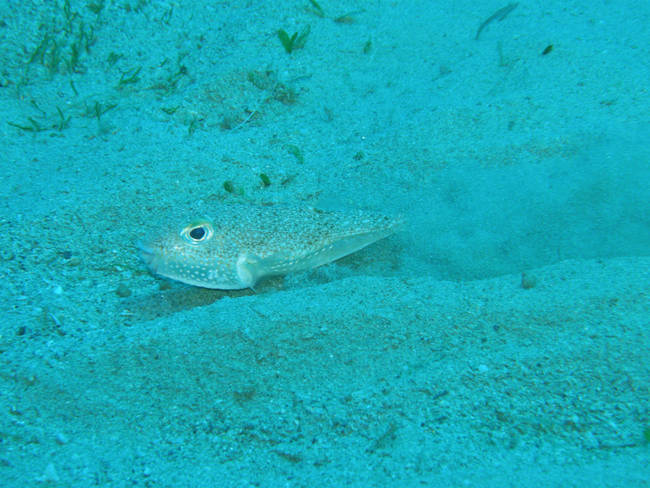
197	233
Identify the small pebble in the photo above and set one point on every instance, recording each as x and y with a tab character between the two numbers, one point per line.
528	281
49	475
123	291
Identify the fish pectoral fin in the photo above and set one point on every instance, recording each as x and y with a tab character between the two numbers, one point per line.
249	269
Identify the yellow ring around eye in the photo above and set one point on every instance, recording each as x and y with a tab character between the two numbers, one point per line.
198	231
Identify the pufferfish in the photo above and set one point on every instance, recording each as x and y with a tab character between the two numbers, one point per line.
243	244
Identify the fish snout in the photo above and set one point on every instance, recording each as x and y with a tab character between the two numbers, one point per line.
147	253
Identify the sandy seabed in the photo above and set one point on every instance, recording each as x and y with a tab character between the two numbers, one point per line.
500	339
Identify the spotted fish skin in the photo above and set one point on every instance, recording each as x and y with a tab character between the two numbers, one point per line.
242	244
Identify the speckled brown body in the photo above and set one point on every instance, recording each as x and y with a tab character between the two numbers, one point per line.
242	244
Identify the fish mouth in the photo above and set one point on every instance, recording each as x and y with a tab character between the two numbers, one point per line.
147	254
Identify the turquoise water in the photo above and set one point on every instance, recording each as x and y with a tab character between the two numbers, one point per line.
500	338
